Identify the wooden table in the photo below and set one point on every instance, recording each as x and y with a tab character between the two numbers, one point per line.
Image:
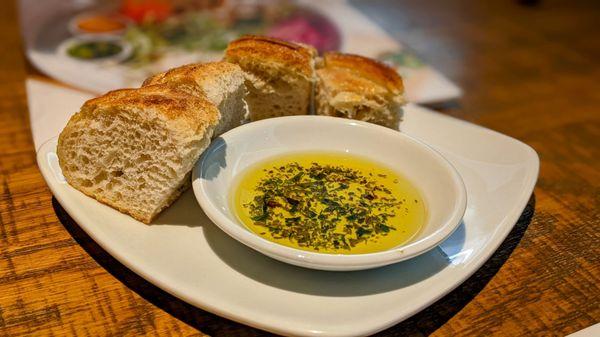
530	72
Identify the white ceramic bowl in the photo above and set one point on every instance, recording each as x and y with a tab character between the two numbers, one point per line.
229	155
126	48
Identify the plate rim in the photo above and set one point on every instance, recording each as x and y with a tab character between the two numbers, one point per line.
506	225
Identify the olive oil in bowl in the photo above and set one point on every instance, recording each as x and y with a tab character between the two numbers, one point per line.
331	203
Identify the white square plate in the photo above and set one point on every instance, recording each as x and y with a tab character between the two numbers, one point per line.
185	254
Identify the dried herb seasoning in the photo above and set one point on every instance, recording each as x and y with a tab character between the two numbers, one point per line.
332	203
323	207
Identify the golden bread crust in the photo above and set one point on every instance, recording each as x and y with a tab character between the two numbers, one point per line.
182	101
363	67
293	56
342	80
199	72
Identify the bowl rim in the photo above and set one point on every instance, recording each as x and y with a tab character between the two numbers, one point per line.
126	48
328	261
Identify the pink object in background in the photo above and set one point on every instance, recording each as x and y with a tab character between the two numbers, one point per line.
310	28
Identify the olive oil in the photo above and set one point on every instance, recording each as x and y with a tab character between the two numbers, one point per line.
329	203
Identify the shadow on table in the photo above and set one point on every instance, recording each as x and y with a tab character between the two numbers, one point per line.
423	323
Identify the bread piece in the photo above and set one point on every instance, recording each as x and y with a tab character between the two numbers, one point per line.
133	149
279	75
357	87
221	82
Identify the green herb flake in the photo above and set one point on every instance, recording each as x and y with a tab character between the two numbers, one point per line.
322	206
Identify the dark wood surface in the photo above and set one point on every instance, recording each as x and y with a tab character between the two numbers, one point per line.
532	72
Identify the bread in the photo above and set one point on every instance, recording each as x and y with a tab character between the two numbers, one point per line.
133	149
357	87
279	75
221	82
